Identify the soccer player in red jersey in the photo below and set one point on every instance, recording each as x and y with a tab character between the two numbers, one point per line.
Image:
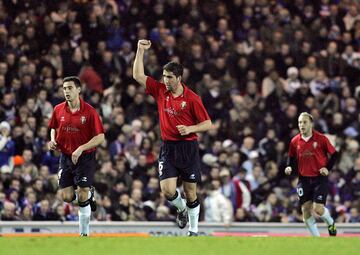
313	155
182	115
76	130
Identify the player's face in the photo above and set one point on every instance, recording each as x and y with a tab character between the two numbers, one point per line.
71	92
171	81
305	125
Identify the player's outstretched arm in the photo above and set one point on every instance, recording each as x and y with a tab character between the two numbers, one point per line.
138	68
52	145
200	127
291	162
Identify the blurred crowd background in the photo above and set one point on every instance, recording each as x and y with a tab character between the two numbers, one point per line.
256	64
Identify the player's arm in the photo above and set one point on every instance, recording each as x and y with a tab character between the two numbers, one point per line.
200	127
95	141
138	68
291	164
291	160
332	160
330	150
52	145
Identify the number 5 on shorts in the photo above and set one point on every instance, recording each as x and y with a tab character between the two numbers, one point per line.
160	167
300	192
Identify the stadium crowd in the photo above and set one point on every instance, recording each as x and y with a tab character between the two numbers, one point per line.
256	64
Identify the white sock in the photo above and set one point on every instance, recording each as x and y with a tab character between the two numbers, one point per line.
327	217
84	218
178	202
193	214
311	225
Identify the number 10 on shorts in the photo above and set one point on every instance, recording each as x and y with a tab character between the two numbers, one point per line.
300	191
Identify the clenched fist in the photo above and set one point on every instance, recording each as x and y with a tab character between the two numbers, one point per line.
52	145
324	171
144	44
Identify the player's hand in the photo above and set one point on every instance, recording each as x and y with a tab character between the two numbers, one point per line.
144	44
76	154
184	130
52	145
288	170
324	171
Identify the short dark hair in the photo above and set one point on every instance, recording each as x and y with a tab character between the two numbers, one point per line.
174	67
74	79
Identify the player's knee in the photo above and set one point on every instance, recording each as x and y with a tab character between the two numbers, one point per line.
306	213
67	197
190	195
83	195
319	209
170	195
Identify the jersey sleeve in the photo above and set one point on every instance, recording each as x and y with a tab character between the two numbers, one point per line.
152	87
97	124
200	111
292	150
328	147
53	122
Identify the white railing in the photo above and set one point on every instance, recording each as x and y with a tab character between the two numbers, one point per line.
169	228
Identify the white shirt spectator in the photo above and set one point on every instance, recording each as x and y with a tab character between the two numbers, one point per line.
218	208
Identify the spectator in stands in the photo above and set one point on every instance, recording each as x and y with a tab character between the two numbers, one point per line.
217	207
7	146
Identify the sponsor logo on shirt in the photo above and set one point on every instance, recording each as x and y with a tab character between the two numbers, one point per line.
192	177
62	118
70	129
315	144
83	119
171	111
183	105
84	179
307	154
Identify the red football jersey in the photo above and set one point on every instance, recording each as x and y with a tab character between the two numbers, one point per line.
75	129
186	109
311	155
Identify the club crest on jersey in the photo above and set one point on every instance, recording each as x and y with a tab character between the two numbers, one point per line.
62	118
183	105
83	119
315	144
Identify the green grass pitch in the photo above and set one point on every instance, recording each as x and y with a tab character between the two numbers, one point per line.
179	245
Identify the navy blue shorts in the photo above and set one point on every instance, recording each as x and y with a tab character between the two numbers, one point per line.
313	189
81	174
180	158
